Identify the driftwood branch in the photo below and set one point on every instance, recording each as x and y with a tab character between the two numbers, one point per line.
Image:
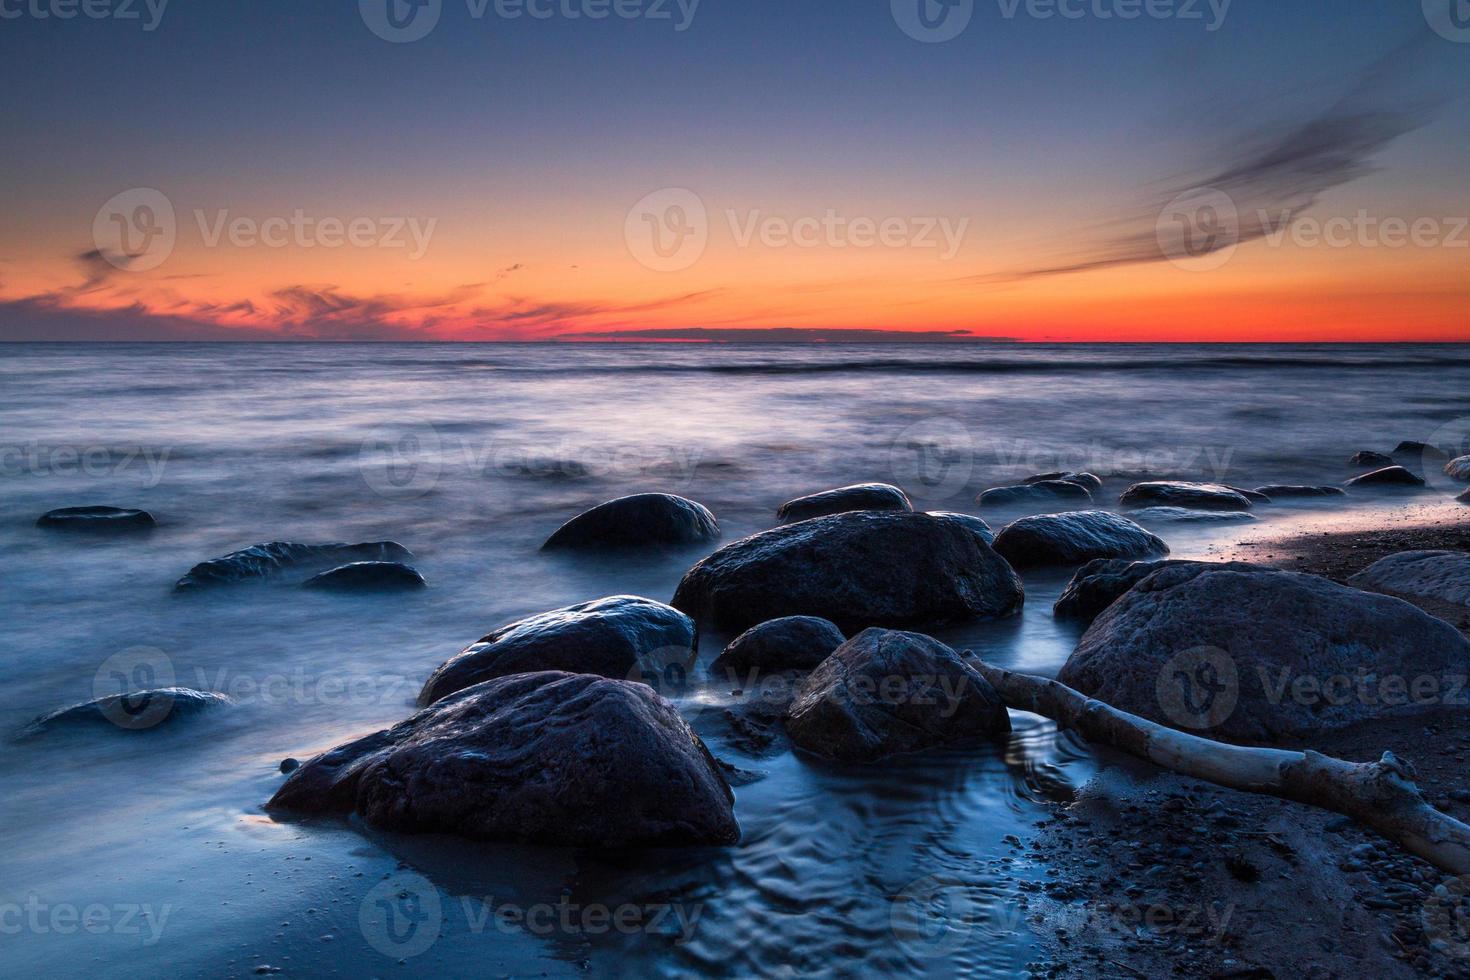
1380	795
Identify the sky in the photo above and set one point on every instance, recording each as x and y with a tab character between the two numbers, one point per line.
490	170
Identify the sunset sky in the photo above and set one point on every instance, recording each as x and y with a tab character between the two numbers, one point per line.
500	172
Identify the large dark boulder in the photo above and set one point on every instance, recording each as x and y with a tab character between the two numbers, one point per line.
265	561
1074	538
134	711
640	521
1458	468
368	576
1287	492
549	758
1420	450
1099	583
1389	476
884	692
1045	493
1194	496
857	570
97	520
789	643
609	637
863	496
1251	654
1440	575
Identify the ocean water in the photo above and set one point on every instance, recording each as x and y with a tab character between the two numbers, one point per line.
132	854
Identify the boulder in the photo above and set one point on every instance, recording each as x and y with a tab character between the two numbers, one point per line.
368	576
884	692
1183	515
864	496
1458	469
859	569
1044	493
1463	498
1252	654
789	643
1441	575
1254	496
134	711
1286	492
1091	481
1193	496
639	521
97	520
265	561
548	758
1099	583
610	637
1074	538
1369	458
1421	450
1389	476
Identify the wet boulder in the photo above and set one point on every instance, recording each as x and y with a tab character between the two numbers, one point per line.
1089	480
1288	492
789	643
1045	493
547	758
1368	458
1254	496
281	558
865	496
135	711
1458	469
1192	496
1421	450
1440	575
1099	583
1389	476
640	521
368	576
612	637
1184	515
886	692
97	520
1075	538
860	569
1252	654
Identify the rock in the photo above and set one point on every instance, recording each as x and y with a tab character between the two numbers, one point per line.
975	524
368	576
264	561
858	569
1183	515
1464	498
1257	655
1195	496
864	496
1046	493
290	765
1389	476
610	637
549	758
884	692
1099	583
1285	492
1458	469
1254	496
1421	450
1370	459
643	520
1091	481
1074	538
790	643
134	711
1442	575
97	520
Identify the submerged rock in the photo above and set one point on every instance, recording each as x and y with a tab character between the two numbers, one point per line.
1458	469
134	711
1046	492
609	637
640	521
1370	459
1442	575
1195	496
884	692
102	520
368	576
1256	655
1285	492
859	569
264	561
1091	481
1183	515
789	643
864	496
1389	476
1254	496
1074	538
1420	449
549	758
